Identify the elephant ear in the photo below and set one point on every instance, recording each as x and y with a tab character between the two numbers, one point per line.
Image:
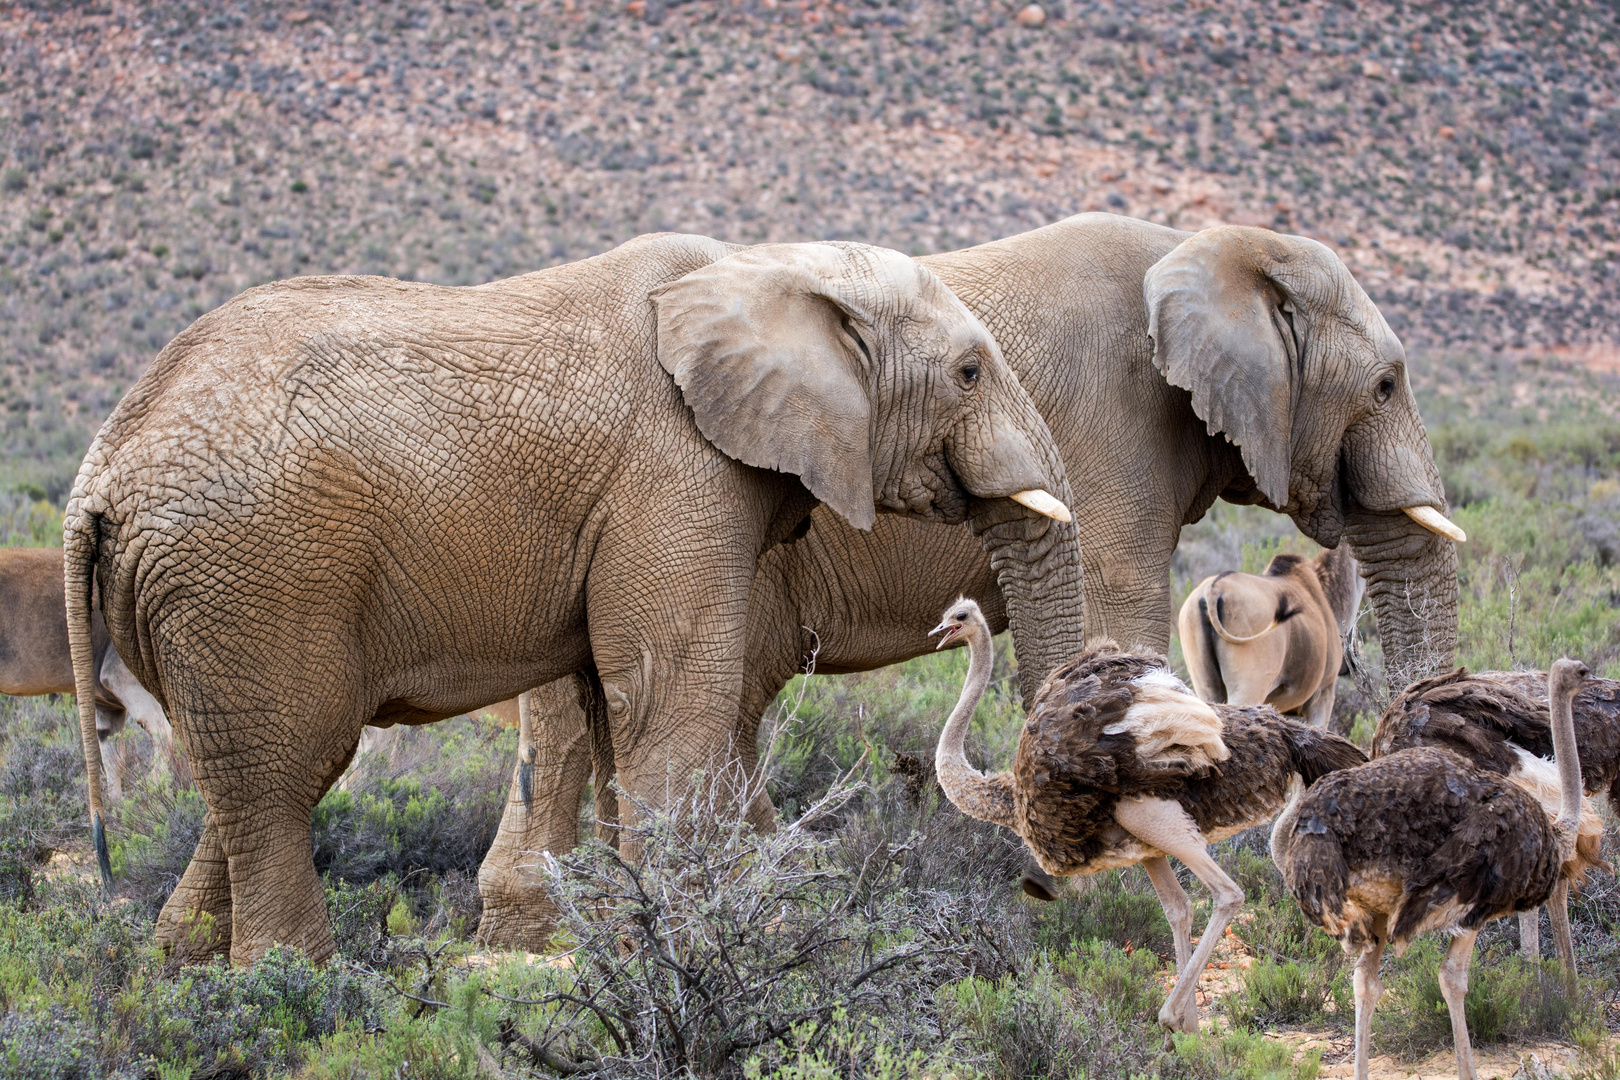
767	348
1215	314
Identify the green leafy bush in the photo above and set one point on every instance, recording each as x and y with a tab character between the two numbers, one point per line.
1507	999
1242	1054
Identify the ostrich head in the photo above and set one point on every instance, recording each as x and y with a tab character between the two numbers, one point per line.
962	620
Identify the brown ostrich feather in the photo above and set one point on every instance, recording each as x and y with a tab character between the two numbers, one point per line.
1483	717
1459	844
1079	756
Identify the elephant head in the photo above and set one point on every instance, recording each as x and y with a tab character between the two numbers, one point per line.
855	369
1288	357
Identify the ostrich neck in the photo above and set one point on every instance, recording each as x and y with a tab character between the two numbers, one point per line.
1282	830
1568	758
964	785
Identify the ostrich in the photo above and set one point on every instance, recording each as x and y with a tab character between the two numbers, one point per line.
1423	840
1498	721
1118	764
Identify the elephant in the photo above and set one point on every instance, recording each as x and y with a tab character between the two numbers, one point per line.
1275	638
335	501
34	658
1173	368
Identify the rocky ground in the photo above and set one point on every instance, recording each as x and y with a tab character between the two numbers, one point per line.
160	156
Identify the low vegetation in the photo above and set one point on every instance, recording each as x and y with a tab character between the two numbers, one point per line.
878	933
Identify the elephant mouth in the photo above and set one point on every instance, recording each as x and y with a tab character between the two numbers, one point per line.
935	492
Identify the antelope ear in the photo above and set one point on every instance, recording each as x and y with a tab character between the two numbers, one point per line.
771	353
1216	317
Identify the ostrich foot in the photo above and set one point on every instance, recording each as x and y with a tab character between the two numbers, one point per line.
1172	1019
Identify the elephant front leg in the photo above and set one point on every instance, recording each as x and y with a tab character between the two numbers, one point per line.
542	815
671	667
195	924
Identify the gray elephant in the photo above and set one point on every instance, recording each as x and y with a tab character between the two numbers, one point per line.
335	501
1173	369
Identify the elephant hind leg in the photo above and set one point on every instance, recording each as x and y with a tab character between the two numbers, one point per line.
195	923
518	912
261	795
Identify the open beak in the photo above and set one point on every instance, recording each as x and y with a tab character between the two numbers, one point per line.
949	629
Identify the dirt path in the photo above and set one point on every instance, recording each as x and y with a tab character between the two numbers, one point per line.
1225	976
1500	1063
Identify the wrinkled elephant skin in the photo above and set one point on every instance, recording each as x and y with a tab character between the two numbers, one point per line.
338	501
1173	368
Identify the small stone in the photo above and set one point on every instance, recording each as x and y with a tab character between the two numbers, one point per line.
1034	15
1447	131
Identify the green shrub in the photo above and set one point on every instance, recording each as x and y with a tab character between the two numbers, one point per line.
1507	998
419	1051
1241	1054
50	1045
1117	907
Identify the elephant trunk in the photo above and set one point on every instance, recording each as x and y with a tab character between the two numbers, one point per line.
1411	576
1037	566
1005	452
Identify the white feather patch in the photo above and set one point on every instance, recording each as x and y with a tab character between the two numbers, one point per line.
1170	725
1539	777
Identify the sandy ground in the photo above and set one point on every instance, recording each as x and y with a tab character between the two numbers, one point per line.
1498	1063
1225	975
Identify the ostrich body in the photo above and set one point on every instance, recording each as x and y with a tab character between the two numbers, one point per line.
1498	720
1119	763
1424	839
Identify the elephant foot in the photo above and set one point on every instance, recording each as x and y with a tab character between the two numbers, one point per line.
293	914
515	928
193	936
518	914
195	923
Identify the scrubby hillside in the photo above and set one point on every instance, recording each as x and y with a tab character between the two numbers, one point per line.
161	156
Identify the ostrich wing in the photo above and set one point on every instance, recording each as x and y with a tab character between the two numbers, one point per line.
1468	715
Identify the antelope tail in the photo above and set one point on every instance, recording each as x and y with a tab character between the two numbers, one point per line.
1212	611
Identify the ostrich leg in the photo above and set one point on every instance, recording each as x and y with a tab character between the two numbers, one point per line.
1369	988
1178	910
1454	988
1165	825
1530	934
1558	912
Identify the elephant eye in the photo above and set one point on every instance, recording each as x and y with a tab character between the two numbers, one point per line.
970	375
1386	387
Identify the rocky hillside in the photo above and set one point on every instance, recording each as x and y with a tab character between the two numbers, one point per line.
160	156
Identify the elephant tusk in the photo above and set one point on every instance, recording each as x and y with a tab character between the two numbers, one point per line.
1042	502
1435	522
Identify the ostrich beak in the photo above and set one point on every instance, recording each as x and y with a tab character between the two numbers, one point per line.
949	629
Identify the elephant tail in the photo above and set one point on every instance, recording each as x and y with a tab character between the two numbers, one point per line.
1211	608
80	549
